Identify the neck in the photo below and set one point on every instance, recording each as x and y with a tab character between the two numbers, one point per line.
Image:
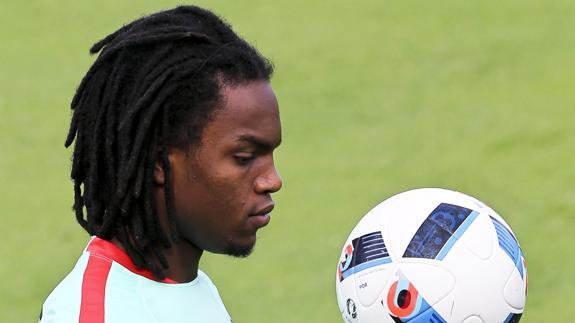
183	260
183	257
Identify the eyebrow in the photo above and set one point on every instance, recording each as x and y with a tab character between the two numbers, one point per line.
258	142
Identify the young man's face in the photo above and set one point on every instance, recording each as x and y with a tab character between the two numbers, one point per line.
222	189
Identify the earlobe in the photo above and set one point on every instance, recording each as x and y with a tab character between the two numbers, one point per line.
159	175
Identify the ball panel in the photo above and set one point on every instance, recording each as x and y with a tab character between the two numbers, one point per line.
402	226
478	287
514	291
473	319
433	282
369	285
406	304
509	244
364	268
477	238
439	231
363	253
513	318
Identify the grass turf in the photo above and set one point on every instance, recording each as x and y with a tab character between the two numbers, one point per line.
376	97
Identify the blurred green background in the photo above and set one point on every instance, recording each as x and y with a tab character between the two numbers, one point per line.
376	97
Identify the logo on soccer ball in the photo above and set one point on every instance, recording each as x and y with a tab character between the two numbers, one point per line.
363	253
346	261
405	303
351	309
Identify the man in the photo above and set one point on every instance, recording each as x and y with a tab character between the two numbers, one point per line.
174	126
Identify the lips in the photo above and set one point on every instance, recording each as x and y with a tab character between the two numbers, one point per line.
261	217
266	210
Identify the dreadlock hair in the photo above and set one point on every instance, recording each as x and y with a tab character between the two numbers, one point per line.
154	85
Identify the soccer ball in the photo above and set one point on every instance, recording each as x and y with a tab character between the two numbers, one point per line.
431	255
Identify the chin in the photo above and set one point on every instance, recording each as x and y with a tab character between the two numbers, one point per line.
241	250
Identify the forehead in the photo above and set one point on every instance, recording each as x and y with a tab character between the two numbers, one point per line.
246	111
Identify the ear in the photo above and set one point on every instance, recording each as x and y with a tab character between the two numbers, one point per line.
159	174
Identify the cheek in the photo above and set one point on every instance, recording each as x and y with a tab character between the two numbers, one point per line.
215	192
231	191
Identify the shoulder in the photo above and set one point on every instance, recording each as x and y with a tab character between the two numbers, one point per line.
205	280
63	303
96	290
213	290
203	277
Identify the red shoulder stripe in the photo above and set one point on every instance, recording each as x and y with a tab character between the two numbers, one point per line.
94	290
108	250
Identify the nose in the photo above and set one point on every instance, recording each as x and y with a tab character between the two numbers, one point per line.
268	182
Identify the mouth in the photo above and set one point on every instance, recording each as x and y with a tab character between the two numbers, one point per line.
266	210
261	217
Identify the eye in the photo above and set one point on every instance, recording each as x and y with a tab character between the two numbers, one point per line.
244	158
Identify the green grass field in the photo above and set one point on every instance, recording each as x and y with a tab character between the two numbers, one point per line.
377	97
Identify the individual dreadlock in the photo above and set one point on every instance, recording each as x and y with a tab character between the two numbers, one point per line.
153	86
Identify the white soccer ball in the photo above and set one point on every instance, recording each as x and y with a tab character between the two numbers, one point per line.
431	255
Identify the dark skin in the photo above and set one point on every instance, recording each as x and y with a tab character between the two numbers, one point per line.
223	185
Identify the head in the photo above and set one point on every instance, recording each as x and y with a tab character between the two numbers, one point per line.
174	128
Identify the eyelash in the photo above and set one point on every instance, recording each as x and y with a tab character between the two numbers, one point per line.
244	160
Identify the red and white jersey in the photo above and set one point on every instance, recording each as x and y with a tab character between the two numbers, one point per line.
105	286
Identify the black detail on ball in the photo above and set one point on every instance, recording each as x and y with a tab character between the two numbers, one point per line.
404	298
